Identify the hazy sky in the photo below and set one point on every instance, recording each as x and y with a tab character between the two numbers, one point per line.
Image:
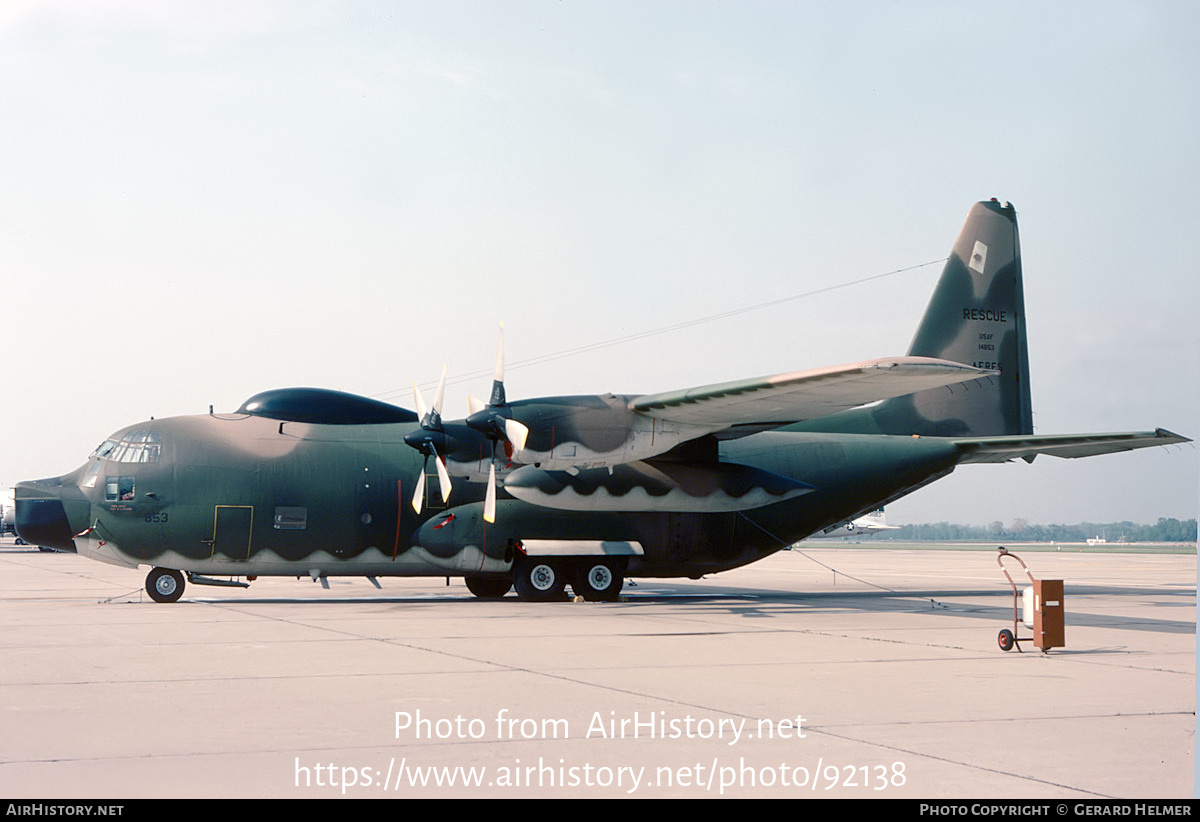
199	201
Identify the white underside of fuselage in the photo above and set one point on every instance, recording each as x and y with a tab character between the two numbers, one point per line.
103	551
414	562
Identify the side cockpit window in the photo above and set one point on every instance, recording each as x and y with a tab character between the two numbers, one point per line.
135	446
118	489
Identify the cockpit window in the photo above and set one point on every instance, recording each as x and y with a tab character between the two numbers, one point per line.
89	479
118	488
136	446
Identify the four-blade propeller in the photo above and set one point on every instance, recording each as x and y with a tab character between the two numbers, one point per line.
493	420
427	440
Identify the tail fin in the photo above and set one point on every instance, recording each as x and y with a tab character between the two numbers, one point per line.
976	317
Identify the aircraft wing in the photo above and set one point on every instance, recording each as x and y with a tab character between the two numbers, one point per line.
803	395
1003	449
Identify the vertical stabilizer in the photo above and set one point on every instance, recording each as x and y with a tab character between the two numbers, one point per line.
976	317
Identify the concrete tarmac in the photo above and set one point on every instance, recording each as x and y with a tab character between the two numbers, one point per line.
832	672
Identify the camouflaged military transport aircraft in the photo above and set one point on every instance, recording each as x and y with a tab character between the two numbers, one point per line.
586	491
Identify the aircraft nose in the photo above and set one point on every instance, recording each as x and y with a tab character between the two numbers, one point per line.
42	513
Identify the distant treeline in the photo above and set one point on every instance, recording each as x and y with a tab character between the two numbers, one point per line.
1165	530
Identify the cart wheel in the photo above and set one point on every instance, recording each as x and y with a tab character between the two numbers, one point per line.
1006	640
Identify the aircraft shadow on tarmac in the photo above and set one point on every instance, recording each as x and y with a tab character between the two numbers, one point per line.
768	604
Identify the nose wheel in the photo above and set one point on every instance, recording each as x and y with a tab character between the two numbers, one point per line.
164	585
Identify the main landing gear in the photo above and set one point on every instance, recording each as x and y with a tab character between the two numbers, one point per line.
598	580
544	579
486	587
164	585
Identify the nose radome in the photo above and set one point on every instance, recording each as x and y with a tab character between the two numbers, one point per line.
42	513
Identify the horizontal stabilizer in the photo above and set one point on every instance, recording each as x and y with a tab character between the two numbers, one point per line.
1003	449
803	395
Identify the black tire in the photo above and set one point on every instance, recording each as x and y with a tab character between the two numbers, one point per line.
539	580
488	587
598	580
164	585
1006	640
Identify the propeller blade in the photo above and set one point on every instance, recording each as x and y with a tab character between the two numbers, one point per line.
443	476
441	393
499	375
431	418
497	399
419	497
516	433
474	404
489	502
420	401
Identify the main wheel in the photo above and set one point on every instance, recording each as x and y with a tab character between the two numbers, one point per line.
598	580
164	585
1006	640
488	587
538	580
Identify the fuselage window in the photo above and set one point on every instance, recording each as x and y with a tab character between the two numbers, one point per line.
118	489
290	518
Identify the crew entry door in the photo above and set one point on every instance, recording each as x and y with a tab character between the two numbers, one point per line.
232	525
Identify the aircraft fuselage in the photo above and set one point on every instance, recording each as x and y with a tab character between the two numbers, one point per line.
246	496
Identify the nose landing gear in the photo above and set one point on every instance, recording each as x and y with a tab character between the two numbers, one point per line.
164	585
